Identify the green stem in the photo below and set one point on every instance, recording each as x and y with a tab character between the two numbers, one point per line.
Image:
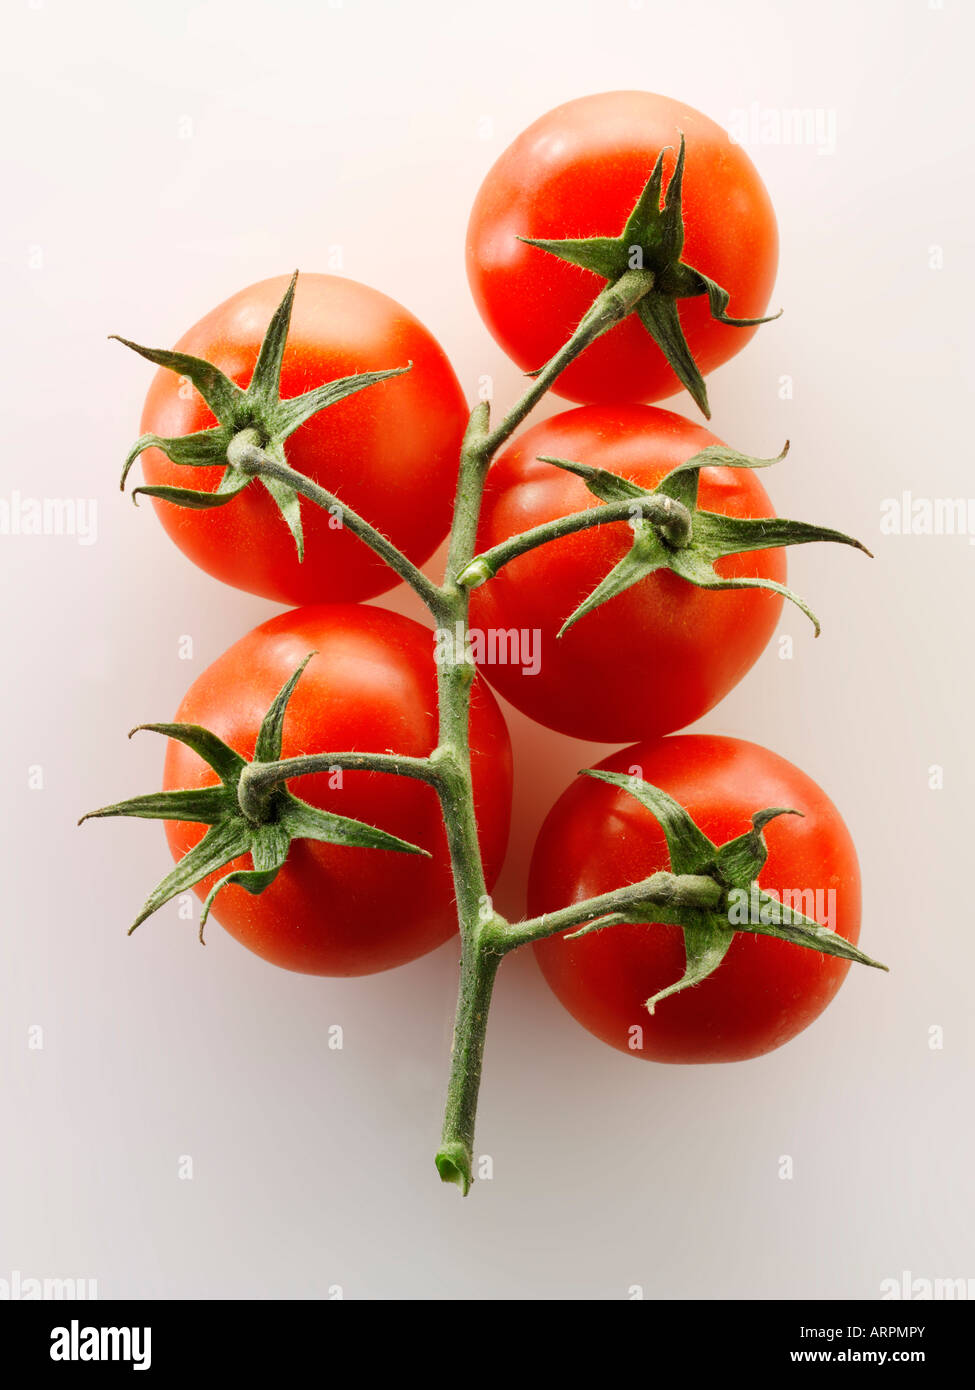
476	918
661	890
670	519
258	779
455	1157
243	453
608	309
455	676
482	931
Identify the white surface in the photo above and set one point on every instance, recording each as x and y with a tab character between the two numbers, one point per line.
162	155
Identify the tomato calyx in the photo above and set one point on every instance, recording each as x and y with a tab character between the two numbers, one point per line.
252	418
670	532
264	830
734	866
653	240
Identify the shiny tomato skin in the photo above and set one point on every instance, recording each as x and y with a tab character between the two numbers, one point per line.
334	910
389	452
661	654
577	172
598	837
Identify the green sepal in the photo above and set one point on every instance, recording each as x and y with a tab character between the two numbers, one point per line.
600	254
682	482
690	850
257	411
288	504
653	239
268	845
735	866
205	449
609	919
607	486
743	858
786	924
706	943
203	804
224	841
311	823
661	318
265	836
267	748
223	396
265	384
226	762
635	565
231	485
709	536
735	535
289	414
718	300
697	569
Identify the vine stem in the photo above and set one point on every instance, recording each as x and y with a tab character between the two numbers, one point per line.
258	779
475	913
608	309
483	933
669	517
661	890
244	453
485	936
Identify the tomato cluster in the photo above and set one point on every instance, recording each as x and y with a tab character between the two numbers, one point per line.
644	664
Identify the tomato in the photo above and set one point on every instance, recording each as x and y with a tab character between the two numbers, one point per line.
335	910
598	837
389	451
653	658
578	172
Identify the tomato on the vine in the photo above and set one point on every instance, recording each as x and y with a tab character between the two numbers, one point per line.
336	910
388	452
765	991
651	659
577	172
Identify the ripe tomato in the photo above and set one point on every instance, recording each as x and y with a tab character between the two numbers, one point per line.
389	451
578	172
335	910
598	837
655	657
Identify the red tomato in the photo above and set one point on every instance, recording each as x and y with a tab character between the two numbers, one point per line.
335	910
577	172
655	657
388	452
598	837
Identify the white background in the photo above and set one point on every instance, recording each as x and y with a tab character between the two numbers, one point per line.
160	156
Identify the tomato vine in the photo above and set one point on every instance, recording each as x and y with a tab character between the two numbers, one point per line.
253	810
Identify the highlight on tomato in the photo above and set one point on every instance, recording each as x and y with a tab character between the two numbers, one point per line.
765	991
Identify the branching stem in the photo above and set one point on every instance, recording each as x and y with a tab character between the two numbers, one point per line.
244	453
257	780
670	517
607	310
